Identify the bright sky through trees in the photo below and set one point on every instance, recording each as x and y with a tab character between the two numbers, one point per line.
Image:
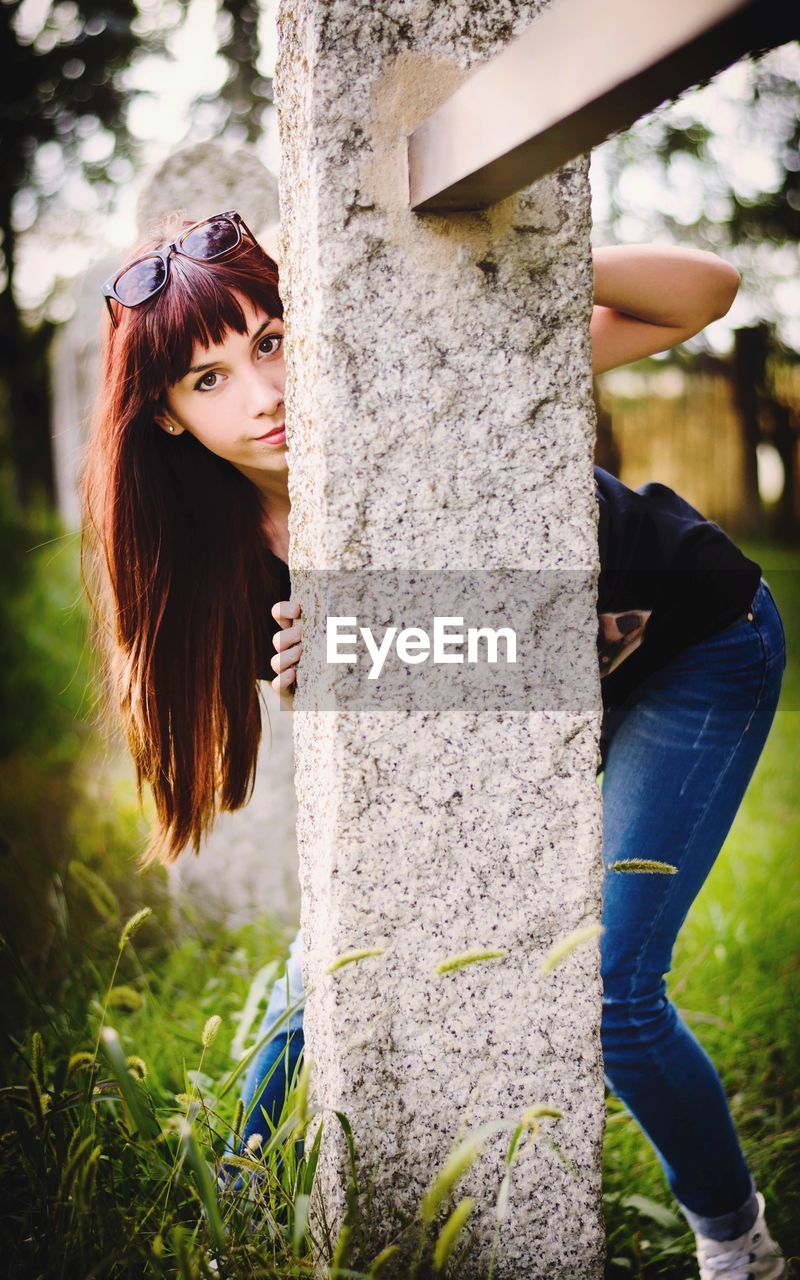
79	224
748	142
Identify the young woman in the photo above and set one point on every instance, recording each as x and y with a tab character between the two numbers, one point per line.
187	539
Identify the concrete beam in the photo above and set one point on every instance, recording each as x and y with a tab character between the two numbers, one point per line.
581	72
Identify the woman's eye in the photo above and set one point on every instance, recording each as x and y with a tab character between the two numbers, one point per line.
270	344
207	382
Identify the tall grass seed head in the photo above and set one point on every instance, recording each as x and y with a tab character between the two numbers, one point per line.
210	1030
131	926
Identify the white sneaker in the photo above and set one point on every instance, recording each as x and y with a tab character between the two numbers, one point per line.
752	1256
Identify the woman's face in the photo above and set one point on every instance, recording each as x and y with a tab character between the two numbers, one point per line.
231	399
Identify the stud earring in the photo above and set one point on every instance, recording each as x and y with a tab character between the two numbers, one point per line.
172	428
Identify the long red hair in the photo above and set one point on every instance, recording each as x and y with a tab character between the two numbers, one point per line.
175	556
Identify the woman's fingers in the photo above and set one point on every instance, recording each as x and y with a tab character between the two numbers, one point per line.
285	611
283	681
283	639
288	658
287	644
284	687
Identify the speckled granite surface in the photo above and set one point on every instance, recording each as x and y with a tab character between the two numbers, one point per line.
440	417
247	866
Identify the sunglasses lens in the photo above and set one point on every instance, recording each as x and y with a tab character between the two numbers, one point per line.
141	281
210	239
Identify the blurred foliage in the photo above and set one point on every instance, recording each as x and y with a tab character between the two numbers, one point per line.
58	86
61	84
64	116
728	170
770	106
43	676
245	89
63	107
60	786
111	1137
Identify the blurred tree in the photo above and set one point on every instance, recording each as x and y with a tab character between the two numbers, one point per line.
59	85
64	102
245	90
722	171
724	203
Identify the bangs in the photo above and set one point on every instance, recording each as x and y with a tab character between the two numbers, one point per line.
195	309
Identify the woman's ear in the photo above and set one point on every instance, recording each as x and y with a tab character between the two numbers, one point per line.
166	422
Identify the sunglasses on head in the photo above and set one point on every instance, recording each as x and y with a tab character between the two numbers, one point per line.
204	241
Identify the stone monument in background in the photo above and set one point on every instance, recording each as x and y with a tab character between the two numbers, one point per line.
440	420
248	864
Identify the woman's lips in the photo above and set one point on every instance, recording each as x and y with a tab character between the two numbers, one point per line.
278	436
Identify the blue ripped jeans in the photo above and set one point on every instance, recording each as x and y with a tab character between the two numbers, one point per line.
678	756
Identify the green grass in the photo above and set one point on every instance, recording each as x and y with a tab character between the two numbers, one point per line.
100	1174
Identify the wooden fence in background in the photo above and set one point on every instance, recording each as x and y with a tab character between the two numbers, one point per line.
683	429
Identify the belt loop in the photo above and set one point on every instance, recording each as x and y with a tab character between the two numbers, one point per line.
750	612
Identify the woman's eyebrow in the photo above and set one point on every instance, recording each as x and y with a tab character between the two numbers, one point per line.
201	368
264	325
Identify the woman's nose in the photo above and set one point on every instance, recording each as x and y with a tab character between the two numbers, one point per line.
264	393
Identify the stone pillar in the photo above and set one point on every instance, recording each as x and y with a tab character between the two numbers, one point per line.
247	867
441	419
74	370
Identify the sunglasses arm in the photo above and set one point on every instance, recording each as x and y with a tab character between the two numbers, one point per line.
110	311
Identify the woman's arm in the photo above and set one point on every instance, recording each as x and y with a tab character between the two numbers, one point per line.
651	297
